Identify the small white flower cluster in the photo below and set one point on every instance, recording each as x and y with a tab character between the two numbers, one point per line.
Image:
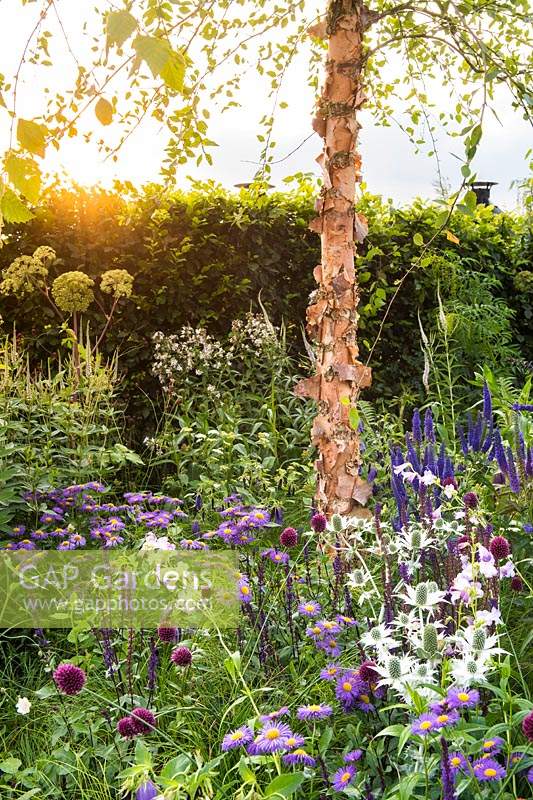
254	334
191	352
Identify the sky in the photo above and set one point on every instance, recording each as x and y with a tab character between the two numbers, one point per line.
390	165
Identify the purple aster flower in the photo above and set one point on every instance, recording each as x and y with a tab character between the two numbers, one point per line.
462	698
69	679
352	756
259	517
343	777
457	762
310	608
299	756
245	593
40	536
363	702
275	556
272	737
446	719
237	738
114	524
279	712
66	545
329	626
295	741
426	723
143	719
348	686
112	539
488	769
493	745
193	544
316	711
529	775
330	673
49	517
25	544
18	530
77	540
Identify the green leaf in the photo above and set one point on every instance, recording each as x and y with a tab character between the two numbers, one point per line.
142	754
392	730
325	739
32	136
46	691
104	111
120	26
10	765
13	209
162	60
353	416
470	200
24	174
284	785
176	766
418	240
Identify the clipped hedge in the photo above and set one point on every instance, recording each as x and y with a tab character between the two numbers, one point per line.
205	256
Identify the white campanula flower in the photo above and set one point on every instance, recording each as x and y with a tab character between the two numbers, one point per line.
508	570
492	617
23	705
153	542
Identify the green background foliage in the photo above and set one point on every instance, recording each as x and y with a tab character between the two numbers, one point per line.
207	256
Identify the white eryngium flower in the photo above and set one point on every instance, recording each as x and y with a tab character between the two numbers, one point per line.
23	705
423	596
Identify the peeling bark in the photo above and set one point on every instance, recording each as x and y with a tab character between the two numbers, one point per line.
332	313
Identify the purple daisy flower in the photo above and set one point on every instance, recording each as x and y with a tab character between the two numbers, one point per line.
193	544
114	524
488	769
275	556
25	544
309	608
529	775
18	530
315	711
279	712
299	756
343	777
78	540
457	762
462	698
295	741
272	737
237	738
493	745
426	723
245	593
112	539
363	702
446	719
348	686
329	626
330	673
352	756
40	536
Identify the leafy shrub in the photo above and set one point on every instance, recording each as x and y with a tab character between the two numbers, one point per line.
203	258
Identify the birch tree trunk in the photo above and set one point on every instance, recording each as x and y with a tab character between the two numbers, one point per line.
332	313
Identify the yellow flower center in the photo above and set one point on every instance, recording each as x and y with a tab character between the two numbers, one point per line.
347	686
443	718
328	625
236	736
299	752
277	557
490	772
488	744
273	733
314	708
309	607
345	777
365	698
260	516
426	725
463	697
317	630
456	761
291	741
